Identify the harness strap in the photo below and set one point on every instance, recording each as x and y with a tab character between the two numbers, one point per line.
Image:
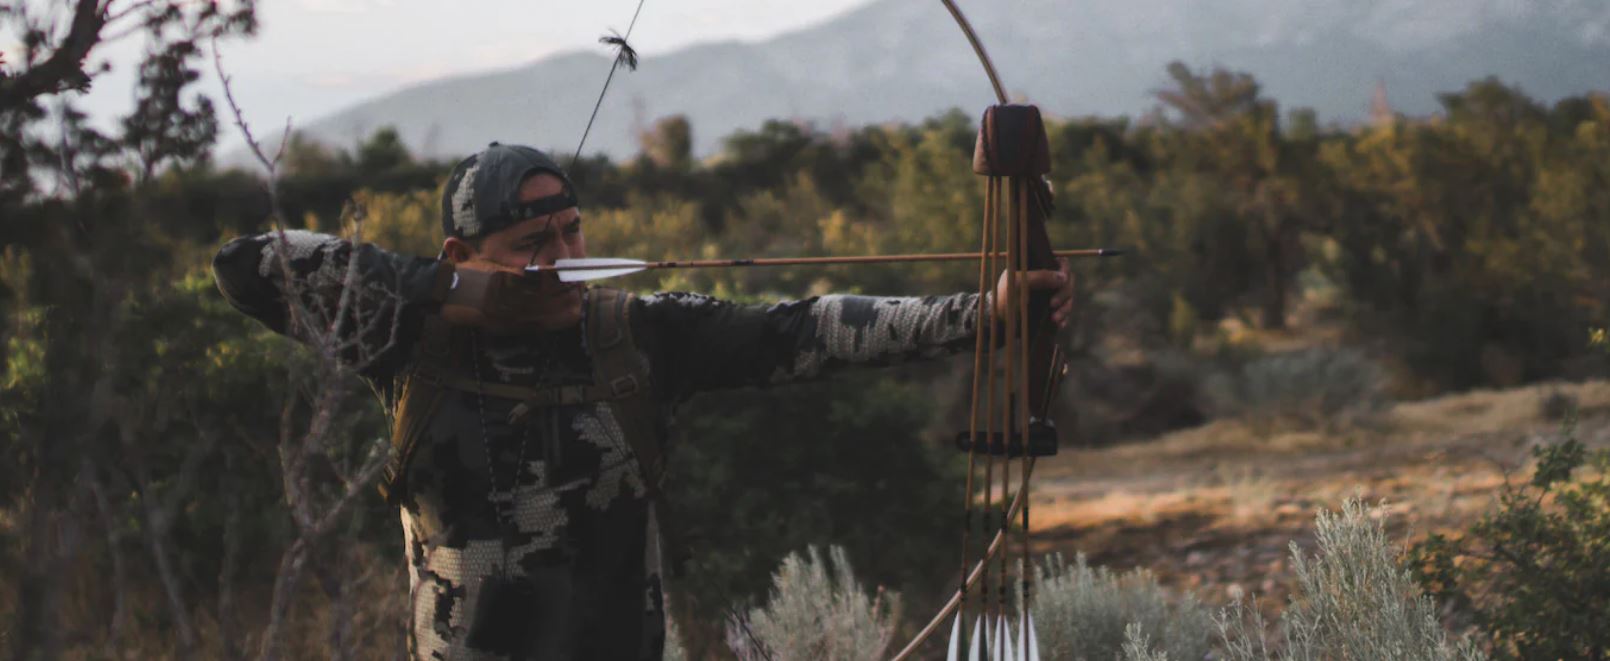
618	369
619	379
417	404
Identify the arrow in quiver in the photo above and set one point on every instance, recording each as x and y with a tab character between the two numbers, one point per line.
1017	365
1013	152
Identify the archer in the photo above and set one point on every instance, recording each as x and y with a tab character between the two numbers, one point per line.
532	416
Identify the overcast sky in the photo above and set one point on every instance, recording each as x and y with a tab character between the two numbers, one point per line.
312	57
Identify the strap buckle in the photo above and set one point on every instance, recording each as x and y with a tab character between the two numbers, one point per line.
622	387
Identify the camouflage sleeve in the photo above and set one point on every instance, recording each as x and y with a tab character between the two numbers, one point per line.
381	317
701	343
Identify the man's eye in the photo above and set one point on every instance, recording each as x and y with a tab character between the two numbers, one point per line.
573	228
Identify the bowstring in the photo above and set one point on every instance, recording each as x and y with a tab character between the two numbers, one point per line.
612	67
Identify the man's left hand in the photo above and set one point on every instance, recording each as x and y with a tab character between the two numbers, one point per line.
1060	281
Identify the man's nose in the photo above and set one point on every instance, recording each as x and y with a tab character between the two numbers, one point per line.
563	250
549	254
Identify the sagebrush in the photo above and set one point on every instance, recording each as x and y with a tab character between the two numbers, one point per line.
1318	387
817	610
1082	613
1353	601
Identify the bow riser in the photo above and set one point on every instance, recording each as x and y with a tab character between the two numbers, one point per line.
1012	147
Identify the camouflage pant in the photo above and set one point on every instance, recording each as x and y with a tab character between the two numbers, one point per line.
597	597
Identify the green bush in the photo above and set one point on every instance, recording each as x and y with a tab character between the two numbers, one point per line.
757	474
1320	387
1082	612
1534	573
1137	647
1353	601
817	610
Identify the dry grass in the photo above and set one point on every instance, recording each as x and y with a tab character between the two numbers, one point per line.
1212	508
376	630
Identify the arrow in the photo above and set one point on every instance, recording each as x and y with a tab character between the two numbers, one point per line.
955	640
598	268
1030	647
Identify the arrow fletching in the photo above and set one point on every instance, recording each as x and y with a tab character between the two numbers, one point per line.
1031	642
591	268
979	642
955	640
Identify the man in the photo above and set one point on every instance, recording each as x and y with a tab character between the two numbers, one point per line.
531	415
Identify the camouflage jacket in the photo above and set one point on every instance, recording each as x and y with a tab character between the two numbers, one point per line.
552	512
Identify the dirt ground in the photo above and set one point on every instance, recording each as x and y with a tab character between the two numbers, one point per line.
1213	509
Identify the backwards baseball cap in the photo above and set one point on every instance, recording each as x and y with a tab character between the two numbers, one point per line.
483	191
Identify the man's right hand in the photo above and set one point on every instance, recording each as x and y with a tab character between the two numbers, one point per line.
494	297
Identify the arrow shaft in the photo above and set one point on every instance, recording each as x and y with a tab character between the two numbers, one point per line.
819	261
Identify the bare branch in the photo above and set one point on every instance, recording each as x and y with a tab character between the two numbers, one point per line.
64	68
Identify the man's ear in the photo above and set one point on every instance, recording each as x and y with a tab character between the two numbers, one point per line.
458	250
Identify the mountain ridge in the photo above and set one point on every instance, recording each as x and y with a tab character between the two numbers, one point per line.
902	60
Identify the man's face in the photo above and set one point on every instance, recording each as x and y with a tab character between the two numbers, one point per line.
539	241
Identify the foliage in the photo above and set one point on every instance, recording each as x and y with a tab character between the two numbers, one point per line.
674	651
1086	613
1137	647
757	474
1460	237
1353	601
817	610
1534	572
1316	387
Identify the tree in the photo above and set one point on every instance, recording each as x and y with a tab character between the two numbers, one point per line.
1233	134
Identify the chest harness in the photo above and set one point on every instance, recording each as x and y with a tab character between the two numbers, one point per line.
620	381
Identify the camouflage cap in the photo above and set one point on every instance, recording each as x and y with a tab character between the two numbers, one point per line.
482	194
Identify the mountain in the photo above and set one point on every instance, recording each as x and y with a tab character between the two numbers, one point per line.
902	60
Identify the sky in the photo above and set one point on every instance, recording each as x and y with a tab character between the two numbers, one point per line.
312	57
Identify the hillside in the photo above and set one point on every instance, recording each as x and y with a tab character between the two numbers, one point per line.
905	60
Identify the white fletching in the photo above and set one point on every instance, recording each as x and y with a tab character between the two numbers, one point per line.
1031	650
594	268
1010	648
955	640
995	639
976	645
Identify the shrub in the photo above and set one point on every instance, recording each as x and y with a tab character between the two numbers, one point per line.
1352	601
1082	613
674	651
1317	387
1533	574
1137	647
817	610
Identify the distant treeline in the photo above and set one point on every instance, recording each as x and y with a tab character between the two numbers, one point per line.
1473	245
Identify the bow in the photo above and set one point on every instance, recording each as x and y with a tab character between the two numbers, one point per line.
1017	366
1017	363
